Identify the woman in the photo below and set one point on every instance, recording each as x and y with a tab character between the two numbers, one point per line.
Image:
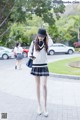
18	50
39	67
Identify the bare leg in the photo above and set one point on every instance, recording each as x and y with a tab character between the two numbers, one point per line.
19	63
16	65
44	86
37	79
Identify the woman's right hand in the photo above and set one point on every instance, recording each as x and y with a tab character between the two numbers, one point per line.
32	57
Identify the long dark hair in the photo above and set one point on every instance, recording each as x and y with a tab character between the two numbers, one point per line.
17	44
36	43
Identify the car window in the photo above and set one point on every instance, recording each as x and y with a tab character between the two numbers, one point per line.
55	45
60	45
4	48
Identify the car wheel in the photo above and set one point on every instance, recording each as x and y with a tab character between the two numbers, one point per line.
51	52
70	51
5	56
25	54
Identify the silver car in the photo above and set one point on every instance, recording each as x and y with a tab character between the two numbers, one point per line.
6	53
60	48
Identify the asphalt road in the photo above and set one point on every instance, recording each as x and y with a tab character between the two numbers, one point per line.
4	64
18	93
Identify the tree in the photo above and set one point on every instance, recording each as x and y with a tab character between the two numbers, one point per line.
43	8
5	11
24	32
67	28
20	10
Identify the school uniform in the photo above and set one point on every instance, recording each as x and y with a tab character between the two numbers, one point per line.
18	53
39	67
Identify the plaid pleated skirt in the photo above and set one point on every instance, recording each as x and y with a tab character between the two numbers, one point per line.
40	71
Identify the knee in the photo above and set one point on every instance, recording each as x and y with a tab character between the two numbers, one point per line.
44	86
38	85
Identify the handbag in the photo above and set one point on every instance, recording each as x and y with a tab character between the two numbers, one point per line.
29	63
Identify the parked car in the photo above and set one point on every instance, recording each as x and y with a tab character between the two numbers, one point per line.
76	44
25	52
6	53
60	48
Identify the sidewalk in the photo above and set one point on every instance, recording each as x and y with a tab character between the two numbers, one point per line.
18	96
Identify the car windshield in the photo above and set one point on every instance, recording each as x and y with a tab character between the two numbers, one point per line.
5	48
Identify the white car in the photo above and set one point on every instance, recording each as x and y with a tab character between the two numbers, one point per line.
6	53
60	48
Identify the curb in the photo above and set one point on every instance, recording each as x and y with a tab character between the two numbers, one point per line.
65	76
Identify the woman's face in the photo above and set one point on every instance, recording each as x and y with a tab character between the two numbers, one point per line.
41	37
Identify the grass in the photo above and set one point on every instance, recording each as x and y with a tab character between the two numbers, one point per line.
62	67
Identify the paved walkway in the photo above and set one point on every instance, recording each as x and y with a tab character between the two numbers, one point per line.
18	96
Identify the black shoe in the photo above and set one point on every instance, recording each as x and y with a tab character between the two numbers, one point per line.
15	67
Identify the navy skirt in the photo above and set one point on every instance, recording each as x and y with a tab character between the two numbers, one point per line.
19	56
40	71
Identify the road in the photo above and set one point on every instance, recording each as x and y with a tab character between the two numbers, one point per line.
4	64
18	93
